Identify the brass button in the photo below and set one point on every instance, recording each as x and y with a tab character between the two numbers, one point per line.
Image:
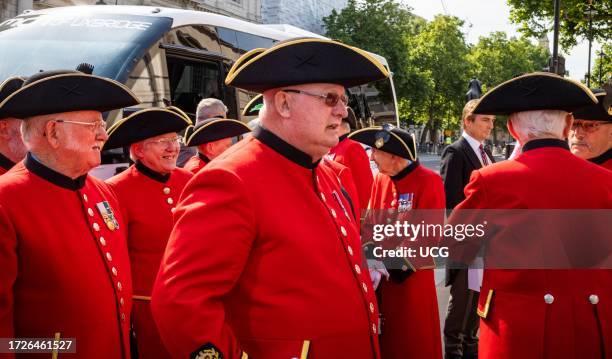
96	227
333	213
119	286
109	257
90	212
166	190
322	196
84	197
374	328
172	209
364	286
593	298
170	200
114	270
350	250
404	267
123	317
357	269
393	203
121	301
102	241
371	307
549	299
343	230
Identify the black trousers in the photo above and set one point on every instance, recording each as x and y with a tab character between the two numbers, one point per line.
461	324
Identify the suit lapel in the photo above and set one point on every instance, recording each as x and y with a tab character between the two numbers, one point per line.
469	152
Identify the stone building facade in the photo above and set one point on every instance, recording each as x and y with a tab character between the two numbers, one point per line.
306	14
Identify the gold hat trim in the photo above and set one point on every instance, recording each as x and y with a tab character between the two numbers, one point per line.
236	68
119	123
188	140
379	128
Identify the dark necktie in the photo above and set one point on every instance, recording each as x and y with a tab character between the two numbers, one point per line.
483	155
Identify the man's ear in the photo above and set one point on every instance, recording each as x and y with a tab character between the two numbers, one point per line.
282	104
511	130
51	133
137	149
569	120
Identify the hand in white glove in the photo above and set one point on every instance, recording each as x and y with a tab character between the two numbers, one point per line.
377	270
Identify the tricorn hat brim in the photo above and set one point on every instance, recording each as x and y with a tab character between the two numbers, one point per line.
397	142
595	112
303	61
535	91
214	129
145	124
67	92
7	87
252	108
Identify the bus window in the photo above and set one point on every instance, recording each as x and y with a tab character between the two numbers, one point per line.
192	81
247	42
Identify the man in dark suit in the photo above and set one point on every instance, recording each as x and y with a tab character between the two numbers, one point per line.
458	161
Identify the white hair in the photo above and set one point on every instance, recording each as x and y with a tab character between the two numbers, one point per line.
32	129
210	107
530	125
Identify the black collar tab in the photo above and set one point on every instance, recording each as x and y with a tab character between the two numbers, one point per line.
601	159
58	179
5	162
154	175
545	142
203	157
283	148
406	171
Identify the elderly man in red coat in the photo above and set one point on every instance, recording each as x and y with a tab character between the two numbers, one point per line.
212	137
352	155
264	259
591	134
408	302
527	309
65	268
147	193
12	148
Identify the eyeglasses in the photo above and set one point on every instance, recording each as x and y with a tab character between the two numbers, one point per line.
587	127
95	126
331	98
168	141
381	137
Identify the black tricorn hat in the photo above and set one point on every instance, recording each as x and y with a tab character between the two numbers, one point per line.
145	124
214	129
7	87
303	61
388	138
596	112
535	91
58	91
252	108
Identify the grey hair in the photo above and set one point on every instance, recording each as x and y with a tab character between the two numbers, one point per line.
210	107
33	127
530	125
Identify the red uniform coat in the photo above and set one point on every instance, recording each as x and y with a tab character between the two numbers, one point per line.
265	258
351	154
63	269
196	163
604	160
410	309
346	181
543	313
147	200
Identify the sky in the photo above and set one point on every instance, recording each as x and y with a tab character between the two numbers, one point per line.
485	16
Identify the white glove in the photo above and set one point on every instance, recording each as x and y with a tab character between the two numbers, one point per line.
377	271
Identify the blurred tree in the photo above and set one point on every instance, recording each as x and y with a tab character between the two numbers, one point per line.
602	69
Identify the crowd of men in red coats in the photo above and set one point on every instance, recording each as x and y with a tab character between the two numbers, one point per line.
254	250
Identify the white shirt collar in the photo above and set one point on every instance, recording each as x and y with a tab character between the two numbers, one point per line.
475	145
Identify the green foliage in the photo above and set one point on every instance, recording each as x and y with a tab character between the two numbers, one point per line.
536	18
603	64
495	58
439	54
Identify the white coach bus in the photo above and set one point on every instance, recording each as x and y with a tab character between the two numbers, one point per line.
162	54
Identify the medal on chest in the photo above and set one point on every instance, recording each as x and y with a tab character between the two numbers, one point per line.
405	202
107	215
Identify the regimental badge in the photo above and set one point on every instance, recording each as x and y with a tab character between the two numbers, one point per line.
405	202
207	351
107	215
379	143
